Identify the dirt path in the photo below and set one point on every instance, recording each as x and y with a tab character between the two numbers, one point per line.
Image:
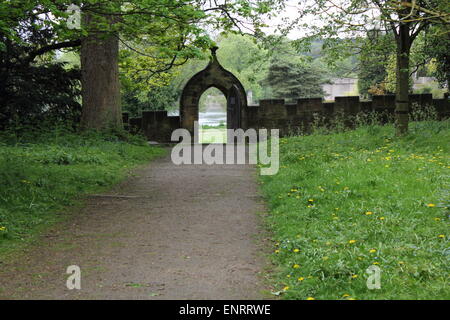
170	232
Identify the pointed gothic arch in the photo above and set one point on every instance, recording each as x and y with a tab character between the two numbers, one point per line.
214	75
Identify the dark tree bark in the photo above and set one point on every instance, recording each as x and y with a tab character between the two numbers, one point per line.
402	71
100	79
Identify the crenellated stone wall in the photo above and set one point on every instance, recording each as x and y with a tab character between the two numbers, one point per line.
289	118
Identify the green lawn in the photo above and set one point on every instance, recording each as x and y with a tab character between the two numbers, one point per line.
42	175
345	201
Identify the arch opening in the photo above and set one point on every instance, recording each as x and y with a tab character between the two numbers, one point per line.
212	116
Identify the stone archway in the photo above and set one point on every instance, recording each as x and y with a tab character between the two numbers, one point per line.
214	75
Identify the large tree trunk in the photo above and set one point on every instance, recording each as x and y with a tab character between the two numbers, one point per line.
402	70
100	79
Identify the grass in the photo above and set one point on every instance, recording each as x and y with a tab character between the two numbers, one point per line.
346	201
41	175
210	134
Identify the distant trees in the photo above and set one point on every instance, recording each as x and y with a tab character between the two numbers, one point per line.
404	20
374	55
292	80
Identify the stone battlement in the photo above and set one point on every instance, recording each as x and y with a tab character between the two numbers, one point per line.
276	114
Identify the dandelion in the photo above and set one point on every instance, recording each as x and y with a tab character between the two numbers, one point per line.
2	228
296	250
437	219
354	276
277	251
376	263
381	218
373	250
431	205
368	213
301	279
295	266
441	236
310	298
286	288
310	200
351	241
345	295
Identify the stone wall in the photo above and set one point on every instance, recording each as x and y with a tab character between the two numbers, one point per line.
291	118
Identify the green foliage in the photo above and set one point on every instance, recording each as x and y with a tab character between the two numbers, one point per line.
290	77
42	172
437	44
372	62
242	56
350	200
30	93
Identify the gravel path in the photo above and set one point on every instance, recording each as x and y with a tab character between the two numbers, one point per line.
169	232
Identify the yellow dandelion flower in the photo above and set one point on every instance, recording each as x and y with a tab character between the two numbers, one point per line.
351	241
373	250
354	276
437	219
431	205
286	288
376	263
345	295
301	279
368	213
296	250
310	298
295	266
277	251
310	200
381	218
441	236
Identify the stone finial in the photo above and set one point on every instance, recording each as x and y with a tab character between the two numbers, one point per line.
213	50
